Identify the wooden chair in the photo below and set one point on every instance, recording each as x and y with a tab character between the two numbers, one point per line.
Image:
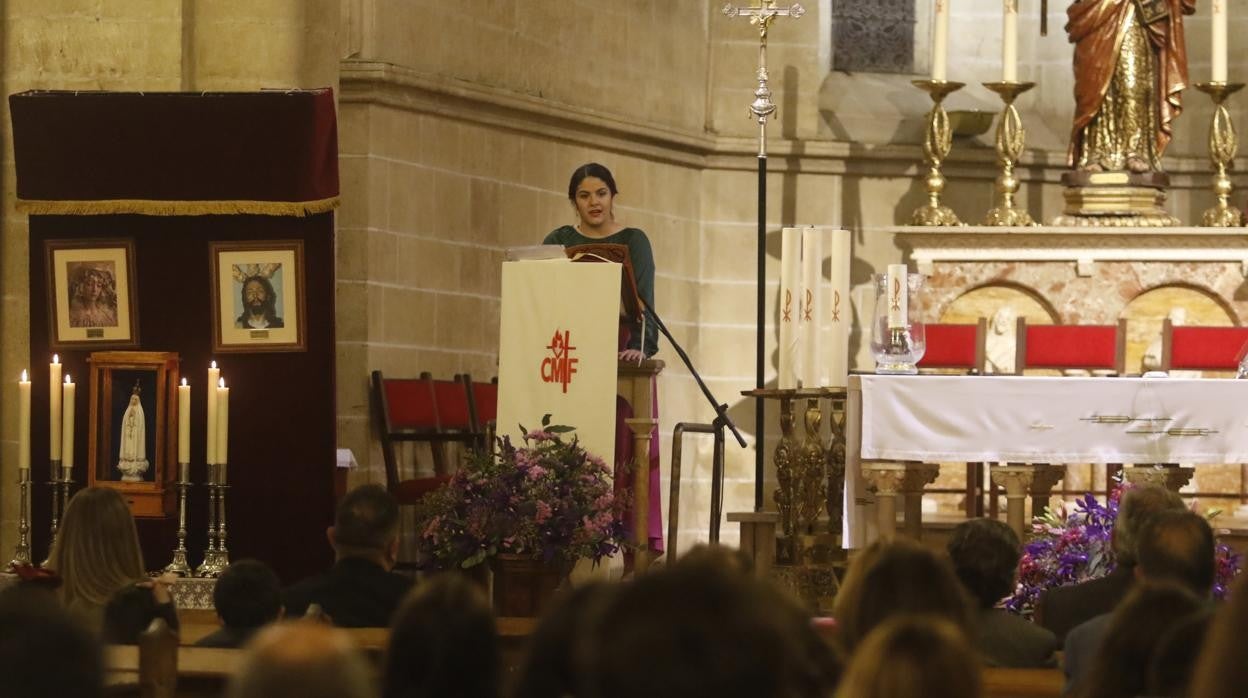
420	410
1196	348
961	347
1072	347
1066	347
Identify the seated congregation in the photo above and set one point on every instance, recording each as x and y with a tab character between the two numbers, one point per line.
908	621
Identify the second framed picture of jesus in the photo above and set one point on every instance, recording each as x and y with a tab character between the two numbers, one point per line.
258	296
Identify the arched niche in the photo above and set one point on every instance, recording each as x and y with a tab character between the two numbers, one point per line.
1146	312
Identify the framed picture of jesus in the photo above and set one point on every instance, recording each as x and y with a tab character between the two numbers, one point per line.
257	296
91	293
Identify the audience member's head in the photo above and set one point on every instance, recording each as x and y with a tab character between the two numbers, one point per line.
1136	506
985	555
44	653
705	628
128	613
305	659
906	578
367	525
1177	546
1120	667
96	552
555	662
1222	670
247	595
847	596
913	656
443	642
1174	659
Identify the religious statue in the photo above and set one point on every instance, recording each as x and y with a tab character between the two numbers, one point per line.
1000	344
1130	70
132	454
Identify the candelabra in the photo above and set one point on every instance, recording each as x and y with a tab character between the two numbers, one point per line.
937	141
1010	138
1223	143
60	478
179	564
21	556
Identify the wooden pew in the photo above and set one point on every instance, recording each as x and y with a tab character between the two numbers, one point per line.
1022	683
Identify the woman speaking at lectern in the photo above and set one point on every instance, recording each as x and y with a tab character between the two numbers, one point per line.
592	192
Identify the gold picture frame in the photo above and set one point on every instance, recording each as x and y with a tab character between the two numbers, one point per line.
147	380
92	294
258	301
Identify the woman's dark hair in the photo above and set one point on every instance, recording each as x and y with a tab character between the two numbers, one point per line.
443	642
590	169
985	555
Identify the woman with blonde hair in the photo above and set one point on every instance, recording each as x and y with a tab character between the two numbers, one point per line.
96	554
913	656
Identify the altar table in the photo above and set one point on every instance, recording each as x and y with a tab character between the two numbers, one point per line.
899	427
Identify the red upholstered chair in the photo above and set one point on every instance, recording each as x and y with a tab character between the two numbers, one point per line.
951	346
1088	347
484	408
1202	348
955	346
420	409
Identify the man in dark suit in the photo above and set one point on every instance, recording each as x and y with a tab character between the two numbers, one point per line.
1173	546
985	555
361	590
1062	608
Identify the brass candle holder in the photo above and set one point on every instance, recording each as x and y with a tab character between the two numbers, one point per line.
179	565
1010	139
21	555
937	141
1223	143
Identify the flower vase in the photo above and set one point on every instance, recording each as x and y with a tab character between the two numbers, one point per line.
523	585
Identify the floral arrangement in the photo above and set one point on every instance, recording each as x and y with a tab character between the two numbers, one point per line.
1072	545
548	499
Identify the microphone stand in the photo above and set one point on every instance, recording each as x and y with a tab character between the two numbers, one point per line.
716	427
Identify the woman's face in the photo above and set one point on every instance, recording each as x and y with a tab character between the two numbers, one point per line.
593	202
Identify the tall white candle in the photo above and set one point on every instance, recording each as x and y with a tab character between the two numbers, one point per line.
23	422
1009	42
184	422
210	432
812	272
839	313
67	428
940	40
897	289
790	306
223	422
1218	43
54	408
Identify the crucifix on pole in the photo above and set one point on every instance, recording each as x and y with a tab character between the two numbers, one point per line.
762	13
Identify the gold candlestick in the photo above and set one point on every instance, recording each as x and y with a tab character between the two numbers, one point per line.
1222	146
937	140
1010	138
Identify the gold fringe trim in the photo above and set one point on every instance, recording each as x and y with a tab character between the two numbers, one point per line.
157	207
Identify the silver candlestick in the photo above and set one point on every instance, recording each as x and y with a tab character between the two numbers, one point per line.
21	556
223	555
179	566
207	567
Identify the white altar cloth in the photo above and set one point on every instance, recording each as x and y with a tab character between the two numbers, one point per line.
1054	420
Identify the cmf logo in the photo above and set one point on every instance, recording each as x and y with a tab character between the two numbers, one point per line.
560	366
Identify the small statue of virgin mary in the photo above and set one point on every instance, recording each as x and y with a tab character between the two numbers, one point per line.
132	454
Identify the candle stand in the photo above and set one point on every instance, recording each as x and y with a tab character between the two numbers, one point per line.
216	557
1223	143
21	555
1010	139
179	565
937	141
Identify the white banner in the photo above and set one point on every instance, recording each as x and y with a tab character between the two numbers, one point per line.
558	337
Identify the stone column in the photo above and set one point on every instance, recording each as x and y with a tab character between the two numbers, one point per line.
918	476
1169	475
641	427
1042	485
886	479
1016	479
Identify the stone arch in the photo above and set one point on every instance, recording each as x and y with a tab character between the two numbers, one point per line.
1148	309
986	299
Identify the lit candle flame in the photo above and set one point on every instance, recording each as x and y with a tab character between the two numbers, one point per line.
183	381
221	382
24	378
68	380
56	358
214	365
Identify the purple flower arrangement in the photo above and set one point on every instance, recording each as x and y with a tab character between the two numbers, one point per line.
548	499
1072	545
